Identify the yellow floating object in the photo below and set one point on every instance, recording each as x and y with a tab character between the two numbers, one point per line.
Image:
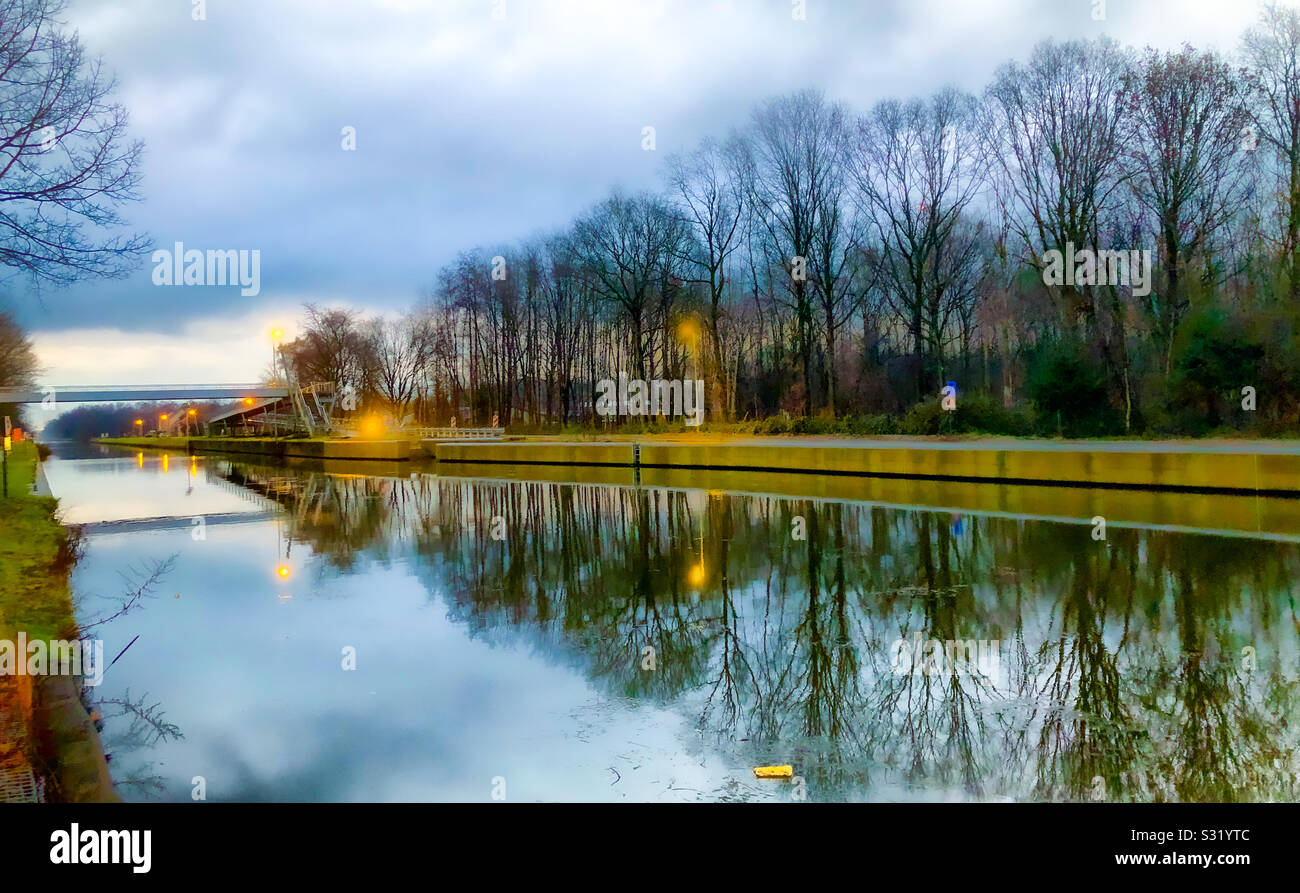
773	771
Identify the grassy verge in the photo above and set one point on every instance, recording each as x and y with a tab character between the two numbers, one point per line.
36	556
36	553
21	467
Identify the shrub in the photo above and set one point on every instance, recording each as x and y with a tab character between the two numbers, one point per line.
1213	359
975	413
872	425
1068	389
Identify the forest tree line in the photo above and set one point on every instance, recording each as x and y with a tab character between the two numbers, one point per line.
821	262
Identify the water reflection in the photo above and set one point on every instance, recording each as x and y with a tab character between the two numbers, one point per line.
1154	665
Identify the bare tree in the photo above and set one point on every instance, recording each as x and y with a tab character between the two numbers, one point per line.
65	163
332	349
708	185
629	245
918	170
835	242
1272	48
17	357
1183	158
1054	131
795	153
402	348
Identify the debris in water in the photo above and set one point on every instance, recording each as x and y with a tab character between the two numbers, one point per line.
773	771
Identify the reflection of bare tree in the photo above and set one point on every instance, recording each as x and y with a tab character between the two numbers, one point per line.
135	723
1118	660
932	726
140	584
1087	731
145	725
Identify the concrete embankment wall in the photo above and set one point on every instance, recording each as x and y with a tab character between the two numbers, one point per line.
384	450
531	453
1108	466
81	771
1243	513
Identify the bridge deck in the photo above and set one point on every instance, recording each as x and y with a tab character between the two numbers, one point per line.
134	393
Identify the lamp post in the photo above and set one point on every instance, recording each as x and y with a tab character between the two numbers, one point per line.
162	417
189	416
139	426
689	332
276	335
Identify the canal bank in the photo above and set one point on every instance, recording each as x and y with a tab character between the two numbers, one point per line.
1255	467
277	448
46	732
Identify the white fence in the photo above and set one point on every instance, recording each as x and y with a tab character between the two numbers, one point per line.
458	433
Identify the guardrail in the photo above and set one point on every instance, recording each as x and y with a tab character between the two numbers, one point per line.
458	433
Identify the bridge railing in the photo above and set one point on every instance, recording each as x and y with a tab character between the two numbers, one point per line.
459	433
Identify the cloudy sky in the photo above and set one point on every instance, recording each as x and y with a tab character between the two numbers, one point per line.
470	130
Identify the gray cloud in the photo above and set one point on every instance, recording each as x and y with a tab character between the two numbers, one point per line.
475	131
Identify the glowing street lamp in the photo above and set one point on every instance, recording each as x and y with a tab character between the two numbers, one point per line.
689	333
276	335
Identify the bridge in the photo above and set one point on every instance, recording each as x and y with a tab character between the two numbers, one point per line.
135	393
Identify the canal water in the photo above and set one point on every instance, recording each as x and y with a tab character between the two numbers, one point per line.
386	633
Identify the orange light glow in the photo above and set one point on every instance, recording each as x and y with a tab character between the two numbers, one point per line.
248	401
283	571
372	426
